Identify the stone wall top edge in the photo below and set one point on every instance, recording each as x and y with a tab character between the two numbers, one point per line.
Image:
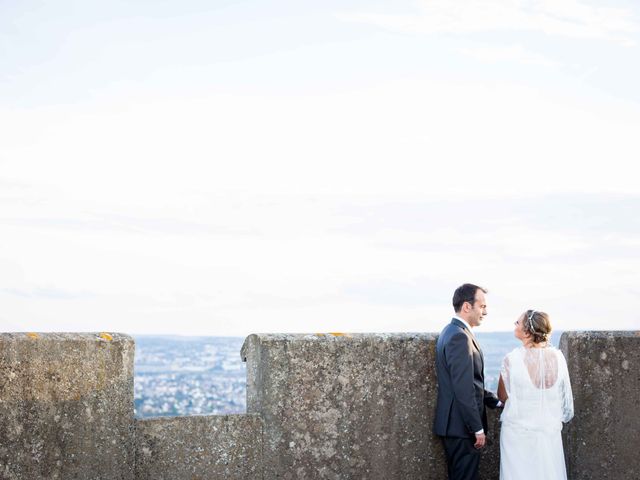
256	339
263	338
582	334
344	336
109	337
199	418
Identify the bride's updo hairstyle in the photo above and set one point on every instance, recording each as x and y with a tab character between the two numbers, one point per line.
538	325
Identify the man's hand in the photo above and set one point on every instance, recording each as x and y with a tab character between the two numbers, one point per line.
481	439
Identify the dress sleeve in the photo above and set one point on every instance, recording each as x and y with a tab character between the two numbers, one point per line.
566	394
505	372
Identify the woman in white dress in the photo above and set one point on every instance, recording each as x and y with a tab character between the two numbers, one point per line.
534	386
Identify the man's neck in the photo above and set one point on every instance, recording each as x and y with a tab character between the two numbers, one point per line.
463	321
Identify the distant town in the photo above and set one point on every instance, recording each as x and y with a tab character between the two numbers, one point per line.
189	376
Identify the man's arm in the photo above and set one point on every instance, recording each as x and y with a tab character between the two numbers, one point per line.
459	359
491	400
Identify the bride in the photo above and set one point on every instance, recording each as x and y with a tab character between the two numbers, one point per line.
534	386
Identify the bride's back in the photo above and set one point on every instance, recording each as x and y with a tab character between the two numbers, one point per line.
536	380
542	366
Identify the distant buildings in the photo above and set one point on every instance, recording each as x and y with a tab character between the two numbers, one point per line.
194	376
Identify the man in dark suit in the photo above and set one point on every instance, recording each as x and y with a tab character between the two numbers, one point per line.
461	420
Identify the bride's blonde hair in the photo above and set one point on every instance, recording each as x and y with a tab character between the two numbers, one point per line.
538	325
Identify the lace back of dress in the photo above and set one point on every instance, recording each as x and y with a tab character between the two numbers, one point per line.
542	366
538	388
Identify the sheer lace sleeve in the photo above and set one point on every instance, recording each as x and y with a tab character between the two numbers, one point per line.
566	394
505	373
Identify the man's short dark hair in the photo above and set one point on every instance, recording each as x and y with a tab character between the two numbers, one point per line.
465	293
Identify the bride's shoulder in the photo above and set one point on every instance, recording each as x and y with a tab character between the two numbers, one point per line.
556	351
516	352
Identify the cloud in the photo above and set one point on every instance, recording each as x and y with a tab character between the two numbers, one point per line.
47	293
328	264
513	53
419	291
99	222
565	18
156	154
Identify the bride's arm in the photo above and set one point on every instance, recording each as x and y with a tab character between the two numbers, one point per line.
502	391
503	381
565	392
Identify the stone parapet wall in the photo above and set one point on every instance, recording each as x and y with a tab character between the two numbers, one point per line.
345	406
199	447
327	406
602	441
66	406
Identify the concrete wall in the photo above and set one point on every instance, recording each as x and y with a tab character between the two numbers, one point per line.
200	447
320	407
602	440
361	406
66	406
339	407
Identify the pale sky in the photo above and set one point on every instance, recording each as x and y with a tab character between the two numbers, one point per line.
224	168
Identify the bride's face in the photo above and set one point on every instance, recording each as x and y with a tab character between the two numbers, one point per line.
519	331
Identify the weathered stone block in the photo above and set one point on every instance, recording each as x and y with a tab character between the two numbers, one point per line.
66	406
225	447
345	407
602	439
490	462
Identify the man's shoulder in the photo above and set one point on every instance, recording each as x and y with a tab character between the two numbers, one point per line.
453	328
454	325
447	328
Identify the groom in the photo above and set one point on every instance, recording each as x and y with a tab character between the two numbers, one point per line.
461	420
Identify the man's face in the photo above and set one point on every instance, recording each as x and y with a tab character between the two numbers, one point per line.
478	310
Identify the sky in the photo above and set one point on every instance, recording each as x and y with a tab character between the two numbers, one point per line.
231	167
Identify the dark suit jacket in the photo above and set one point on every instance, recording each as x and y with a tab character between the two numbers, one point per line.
460	411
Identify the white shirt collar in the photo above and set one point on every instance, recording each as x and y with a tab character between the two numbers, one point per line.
465	322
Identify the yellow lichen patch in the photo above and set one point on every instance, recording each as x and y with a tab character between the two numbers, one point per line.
320	334
339	334
32	335
106	336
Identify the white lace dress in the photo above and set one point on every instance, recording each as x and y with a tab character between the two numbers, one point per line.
540	400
